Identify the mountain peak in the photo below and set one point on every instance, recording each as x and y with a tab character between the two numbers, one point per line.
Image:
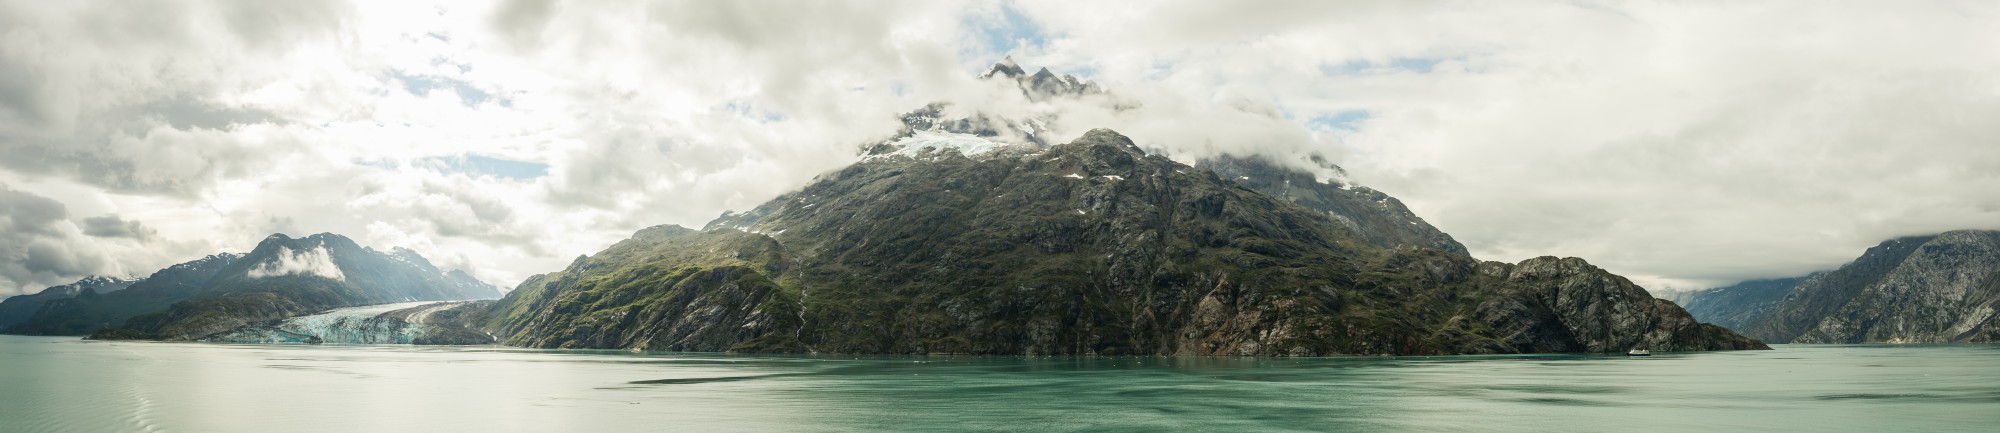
1040	252
1110	140
313	239
977	132
1006	67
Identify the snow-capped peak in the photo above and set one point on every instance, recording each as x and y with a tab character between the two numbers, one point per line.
1005	67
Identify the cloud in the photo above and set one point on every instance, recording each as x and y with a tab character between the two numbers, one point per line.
141	97
315	262
110	226
1681	144
39	247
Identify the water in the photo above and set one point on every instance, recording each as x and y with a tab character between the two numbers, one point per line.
64	384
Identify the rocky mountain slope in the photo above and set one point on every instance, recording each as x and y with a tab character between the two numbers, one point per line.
282	277
91	311
1089	247
1380	219
1920	289
1737	305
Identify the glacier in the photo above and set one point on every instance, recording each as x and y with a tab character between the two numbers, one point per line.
398	323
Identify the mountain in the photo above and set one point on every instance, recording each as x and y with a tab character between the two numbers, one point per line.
1736	306
1920	289
1380	219
18	309
1041	85
282	277
942	125
959	245
91	311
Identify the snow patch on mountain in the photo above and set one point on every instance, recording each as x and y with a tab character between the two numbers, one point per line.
316	261
922	141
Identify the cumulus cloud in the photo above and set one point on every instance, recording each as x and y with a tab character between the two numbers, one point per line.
1681	144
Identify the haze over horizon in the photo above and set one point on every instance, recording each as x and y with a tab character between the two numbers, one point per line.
1681	145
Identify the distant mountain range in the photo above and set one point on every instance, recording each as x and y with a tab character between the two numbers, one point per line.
1737	305
282	277
19	309
1919	289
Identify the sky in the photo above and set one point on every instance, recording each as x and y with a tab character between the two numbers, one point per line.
1682	144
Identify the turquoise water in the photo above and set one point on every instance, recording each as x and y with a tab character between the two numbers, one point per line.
64	384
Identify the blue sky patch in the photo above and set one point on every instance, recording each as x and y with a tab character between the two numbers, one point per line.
424	84
747	109
1422	65
1345	120
1011	31
480	165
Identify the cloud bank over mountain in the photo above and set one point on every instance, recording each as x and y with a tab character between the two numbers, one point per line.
1681	144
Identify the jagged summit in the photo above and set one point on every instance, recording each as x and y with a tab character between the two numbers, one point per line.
938	126
1045	85
1006	67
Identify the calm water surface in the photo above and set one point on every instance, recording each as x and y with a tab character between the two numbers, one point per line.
65	384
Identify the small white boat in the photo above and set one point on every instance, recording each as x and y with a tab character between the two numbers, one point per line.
1638	352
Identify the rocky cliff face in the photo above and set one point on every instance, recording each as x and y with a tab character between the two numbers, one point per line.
1945	289
1921	289
282	277
1090	247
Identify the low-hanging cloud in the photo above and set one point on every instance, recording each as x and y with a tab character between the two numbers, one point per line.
315	261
